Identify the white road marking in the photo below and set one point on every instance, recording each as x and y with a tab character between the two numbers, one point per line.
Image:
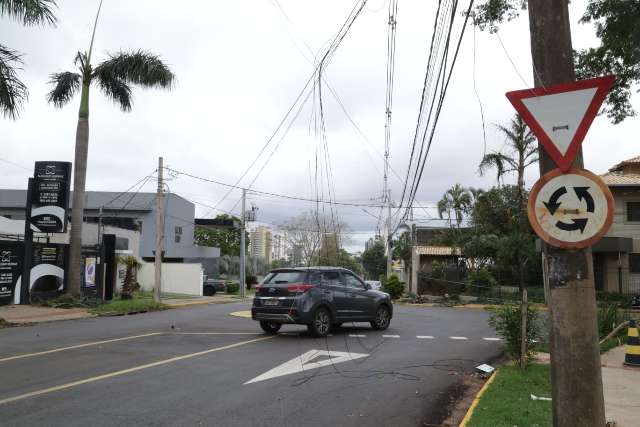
424	337
391	336
491	339
458	338
357	336
304	362
73	347
126	371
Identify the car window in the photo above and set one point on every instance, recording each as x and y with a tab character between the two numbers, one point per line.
352	281
331	278
286	277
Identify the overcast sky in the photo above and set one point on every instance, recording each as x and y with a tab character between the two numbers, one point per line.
239	67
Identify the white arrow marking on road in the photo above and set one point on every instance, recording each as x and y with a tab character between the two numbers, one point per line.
305	362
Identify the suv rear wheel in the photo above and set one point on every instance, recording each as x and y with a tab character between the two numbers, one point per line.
382	319
321	324
270	327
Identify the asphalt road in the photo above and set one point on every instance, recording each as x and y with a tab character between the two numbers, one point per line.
195	366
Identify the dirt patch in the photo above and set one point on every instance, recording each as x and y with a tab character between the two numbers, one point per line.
471	385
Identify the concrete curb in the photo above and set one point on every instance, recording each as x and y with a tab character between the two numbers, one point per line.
470	306
188	304
476	400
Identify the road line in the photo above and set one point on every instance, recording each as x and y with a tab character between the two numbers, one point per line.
73	347
491	339
425	337
214	333
126	371
458	338
391	336
357	336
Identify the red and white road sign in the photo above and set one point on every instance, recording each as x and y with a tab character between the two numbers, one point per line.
560	115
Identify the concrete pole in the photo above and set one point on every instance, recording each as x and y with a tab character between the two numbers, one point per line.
575	358
159	233
389	236
242	244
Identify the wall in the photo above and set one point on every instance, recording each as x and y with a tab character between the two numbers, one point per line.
176	278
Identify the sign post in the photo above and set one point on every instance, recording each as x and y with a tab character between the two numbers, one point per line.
50	196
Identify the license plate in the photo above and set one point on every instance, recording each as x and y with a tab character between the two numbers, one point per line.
270	302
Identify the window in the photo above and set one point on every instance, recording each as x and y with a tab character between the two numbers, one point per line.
178	230
633	211
331	278
177	240
286	277
634	263
352	281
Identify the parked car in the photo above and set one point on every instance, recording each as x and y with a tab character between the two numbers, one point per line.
319	297
211	286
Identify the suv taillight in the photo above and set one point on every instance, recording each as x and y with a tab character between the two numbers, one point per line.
302	288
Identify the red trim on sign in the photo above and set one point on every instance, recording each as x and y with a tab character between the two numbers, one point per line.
603	84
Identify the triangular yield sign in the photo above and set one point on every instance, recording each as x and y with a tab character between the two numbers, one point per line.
560	115
305	362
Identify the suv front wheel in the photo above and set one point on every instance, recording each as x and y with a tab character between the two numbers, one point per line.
321	323
382	319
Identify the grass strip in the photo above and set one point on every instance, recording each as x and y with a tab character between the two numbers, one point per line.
507	401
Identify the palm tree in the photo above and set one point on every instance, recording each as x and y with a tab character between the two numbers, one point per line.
455	201
522	152
31	12
114	78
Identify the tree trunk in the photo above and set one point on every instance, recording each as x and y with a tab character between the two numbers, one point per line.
79	179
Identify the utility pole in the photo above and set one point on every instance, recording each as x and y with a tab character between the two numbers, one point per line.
159	233
576	375
389	235
242	244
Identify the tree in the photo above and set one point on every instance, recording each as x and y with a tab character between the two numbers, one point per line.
130	278
455	202
227	239
114	78
374	261
522	152
617	27
13	92
313	233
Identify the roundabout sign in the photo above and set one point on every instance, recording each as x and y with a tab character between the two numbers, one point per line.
570	210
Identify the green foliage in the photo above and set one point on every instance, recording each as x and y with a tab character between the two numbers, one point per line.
227	239
137	304
616	25
231	287
130	284
30	12
251	280
67	301
438	270
609	316
374	260
455	203
507	321
480	281
393	286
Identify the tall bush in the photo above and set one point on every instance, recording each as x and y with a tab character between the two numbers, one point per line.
507	321
393	286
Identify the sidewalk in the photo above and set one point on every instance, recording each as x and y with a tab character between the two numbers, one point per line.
621	386
20	314
216	299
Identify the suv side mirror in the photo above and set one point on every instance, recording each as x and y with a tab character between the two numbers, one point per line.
367	286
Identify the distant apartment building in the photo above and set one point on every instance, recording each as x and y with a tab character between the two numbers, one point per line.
280	248
261	243
372	241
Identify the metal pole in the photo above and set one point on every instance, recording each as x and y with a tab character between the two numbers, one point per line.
576	374
159	233
389	236
242	244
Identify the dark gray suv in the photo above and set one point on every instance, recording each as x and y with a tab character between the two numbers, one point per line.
319	297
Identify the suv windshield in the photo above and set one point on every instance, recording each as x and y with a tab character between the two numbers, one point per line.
286	277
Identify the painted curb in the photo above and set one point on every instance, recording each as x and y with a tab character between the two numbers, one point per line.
244	314
476	400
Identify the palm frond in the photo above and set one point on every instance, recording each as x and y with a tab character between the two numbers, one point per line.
117	90
12	91
139	67
30	12
66	85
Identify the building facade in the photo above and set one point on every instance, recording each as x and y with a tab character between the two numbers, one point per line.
260	243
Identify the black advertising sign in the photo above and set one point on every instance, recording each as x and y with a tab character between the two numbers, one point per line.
47	268
11	256
50	196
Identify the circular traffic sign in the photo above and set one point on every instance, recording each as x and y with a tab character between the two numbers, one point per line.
571	210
